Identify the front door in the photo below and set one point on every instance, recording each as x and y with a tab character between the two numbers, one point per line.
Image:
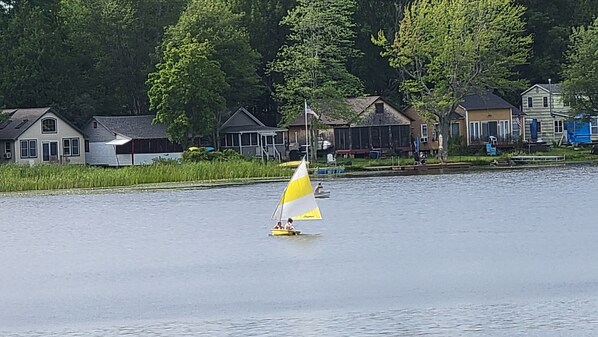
50	151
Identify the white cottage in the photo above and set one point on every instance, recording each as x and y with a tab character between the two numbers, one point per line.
128	140
39	135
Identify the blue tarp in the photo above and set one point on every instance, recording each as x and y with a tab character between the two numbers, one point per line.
578	132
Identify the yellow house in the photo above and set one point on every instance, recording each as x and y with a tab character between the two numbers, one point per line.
478	120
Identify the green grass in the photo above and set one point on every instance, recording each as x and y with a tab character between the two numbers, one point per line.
570	154
14	178
49	177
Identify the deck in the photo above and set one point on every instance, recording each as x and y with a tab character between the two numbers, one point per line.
437	167
537	159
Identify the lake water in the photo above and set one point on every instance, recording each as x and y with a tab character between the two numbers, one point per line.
498	253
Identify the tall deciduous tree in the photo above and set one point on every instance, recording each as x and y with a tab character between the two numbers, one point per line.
215	21
450	48
111	51
375	72
313	62
31	57
262	17
581	71
187	91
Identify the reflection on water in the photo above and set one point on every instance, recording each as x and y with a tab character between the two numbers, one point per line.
493	253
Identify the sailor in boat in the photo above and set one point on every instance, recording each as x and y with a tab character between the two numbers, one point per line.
289	225
278	225
319	189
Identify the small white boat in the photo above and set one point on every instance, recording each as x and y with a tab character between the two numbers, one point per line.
322	194
297	202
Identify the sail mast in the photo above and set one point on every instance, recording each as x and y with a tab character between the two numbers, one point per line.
306	132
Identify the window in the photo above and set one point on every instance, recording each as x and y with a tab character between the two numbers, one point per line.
454	129
503	130
7	148
379	108
29	148
49	125
95	124
558	126
530	102
474	131
545	102
594	126
539	126
70	147
516	127
424	133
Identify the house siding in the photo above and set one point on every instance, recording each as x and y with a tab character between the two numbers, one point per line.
99	133
63	130
542	113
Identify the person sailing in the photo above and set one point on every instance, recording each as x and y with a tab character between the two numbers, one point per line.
289	225
319	189
278	225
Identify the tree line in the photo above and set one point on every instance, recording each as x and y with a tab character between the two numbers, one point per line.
193	61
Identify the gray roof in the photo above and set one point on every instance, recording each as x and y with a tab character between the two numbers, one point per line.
251	129
488	101
134	127
243	121
357	104
19	121
485	101
555	88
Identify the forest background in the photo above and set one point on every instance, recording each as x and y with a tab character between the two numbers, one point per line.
88	58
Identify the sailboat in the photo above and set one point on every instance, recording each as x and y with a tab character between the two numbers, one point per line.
297	201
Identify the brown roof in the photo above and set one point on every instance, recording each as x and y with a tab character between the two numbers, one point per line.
358	104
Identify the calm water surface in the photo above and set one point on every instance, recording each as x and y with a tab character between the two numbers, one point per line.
501	253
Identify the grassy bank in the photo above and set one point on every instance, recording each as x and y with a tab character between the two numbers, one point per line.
15	178
570	154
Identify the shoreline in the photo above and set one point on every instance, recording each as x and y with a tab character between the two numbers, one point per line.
377	172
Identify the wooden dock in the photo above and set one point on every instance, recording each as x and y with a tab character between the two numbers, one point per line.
537	159
432	167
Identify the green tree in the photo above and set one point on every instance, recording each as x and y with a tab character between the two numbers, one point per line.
31	63
313	62
449	48
375	72
111	51
187	91
551	23
262	17
580	71
214	21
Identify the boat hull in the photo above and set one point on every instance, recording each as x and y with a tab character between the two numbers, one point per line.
321	195
284	232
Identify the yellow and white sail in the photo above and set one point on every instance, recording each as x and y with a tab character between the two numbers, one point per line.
298	201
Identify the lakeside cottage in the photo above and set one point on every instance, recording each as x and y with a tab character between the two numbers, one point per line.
39	135
128	140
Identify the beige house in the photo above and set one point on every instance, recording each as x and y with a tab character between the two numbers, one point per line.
544	103
39	135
